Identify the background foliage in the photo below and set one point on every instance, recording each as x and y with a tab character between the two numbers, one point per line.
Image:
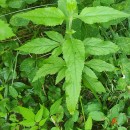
64	65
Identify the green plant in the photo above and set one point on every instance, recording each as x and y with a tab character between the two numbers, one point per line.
72	47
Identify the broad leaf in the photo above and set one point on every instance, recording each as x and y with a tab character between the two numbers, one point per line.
100	65
96	46
50	16
53	66
100	14
26	113
74	55
97	116
5	31
27	123
55	36
39	46
93	84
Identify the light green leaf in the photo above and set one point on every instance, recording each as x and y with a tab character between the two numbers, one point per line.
39	46
122	119
57	51
96	46
89	72
30	1
122	128
55	36
27	123
100	14
5	31
3	3
61	75
42	122
50	16
97	115
53	66
74	55
100	65
88	123
39	115
93	84
26	113
55	107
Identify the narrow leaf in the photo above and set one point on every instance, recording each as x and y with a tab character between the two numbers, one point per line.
5	31
39	46
88	123
39	115
100	65
55	36
61	75
93	84
50	16
96	46
100	14
89	72
74	55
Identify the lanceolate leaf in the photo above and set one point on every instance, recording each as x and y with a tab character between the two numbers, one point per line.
50	16
5	31
93	84
89	72
100	14
96	46
74	55
39	46
55	36
52	67
100	65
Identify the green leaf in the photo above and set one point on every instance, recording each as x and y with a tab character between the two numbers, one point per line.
13	92
27	123
15	3
5	31
96	46
55	36
61	75
16	21
26	113
97	115
122	128
42	122
30	1
74	55
53	66
3	3
89	72
57	51
88	123
39	115
93	84
50	16
100	65
100	14
122	119
39	46
55	107
124	44
55	128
